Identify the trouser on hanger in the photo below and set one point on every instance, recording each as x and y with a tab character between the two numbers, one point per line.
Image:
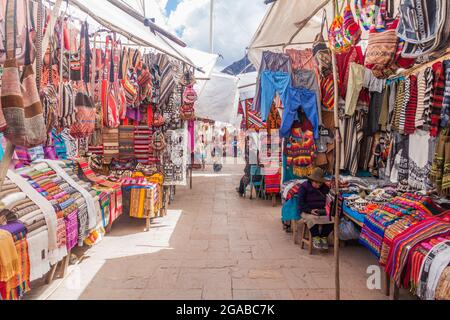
271	61
307	79
295	99
272	83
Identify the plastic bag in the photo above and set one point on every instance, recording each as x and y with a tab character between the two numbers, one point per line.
348	231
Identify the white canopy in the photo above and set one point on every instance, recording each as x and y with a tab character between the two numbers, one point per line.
247	85
219	99
292	24
112	17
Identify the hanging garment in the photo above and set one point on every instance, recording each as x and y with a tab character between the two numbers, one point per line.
403	105
271	61
344	60
419	167
304	78
300	150
437	97
376	103
355	84
352	133
296	99
445	114
411	107
272	83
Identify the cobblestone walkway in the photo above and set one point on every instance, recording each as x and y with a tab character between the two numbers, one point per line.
212	245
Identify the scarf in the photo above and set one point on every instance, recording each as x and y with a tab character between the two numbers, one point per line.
437	97
427	275
418	159
9	259
92	214
46	208
38	252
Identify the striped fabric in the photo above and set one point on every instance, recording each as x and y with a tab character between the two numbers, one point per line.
167	81
110	144
421	89
399	102
437	97
404	105
445	114
428	92
406	242
411	109
22	107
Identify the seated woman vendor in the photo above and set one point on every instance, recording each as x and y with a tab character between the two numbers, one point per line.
312	201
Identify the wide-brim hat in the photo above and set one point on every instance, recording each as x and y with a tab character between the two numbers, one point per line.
318	175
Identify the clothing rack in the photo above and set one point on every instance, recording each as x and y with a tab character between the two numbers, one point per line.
422	66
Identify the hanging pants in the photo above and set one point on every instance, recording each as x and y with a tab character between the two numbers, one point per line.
304	78
272	83
295	99
271	61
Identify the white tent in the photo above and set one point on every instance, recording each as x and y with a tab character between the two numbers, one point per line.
102	12
219	99
247	85
292	24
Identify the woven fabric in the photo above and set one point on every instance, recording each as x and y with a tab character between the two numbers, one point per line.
437	97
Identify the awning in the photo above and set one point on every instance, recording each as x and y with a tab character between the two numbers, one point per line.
112	17
292	24
282	25
247	85
219	99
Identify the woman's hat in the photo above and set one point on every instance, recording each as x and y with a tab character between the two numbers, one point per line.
318	175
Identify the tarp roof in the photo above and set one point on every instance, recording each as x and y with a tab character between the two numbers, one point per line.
247	85
219	99
115	19
291	24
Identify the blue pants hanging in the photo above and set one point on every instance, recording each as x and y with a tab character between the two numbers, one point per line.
272	83
271	61
295	99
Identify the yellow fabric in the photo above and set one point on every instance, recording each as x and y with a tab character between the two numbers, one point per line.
9	259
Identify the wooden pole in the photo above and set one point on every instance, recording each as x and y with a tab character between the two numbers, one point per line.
337	170
147	22
4	165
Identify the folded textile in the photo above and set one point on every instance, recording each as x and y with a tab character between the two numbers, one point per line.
46	208
36	225
92	214
9	260
38	252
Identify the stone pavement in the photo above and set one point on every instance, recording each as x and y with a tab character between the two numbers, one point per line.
212	245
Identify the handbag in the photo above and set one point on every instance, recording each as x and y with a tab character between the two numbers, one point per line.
336	39
21	105
158	119
19	14
352	31
382	47
187	112
321	52
189	95
158	141
85	115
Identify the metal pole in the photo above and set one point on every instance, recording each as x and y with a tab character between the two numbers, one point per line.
211	28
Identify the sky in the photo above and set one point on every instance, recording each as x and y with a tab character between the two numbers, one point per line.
236	22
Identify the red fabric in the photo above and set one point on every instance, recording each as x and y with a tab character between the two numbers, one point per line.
355	54
437	97
411	109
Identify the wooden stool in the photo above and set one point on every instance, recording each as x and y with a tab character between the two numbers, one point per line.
306	237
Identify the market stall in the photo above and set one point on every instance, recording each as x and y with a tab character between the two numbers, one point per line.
364	95
95	117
